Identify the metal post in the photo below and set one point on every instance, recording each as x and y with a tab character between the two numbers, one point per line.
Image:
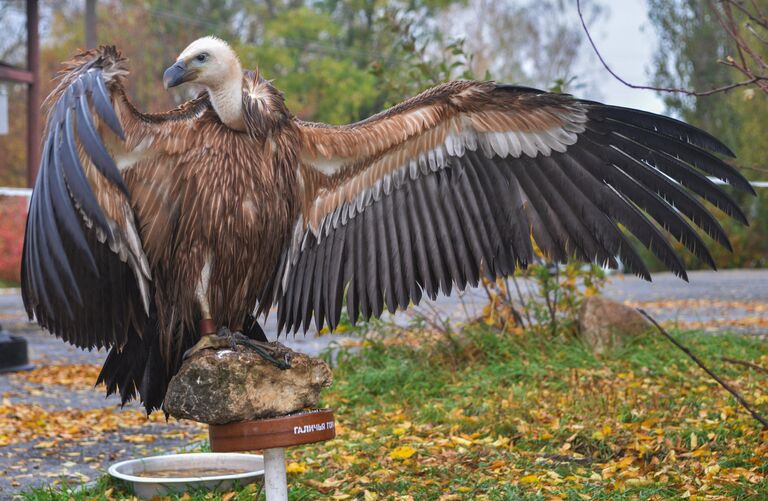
275	480
33	92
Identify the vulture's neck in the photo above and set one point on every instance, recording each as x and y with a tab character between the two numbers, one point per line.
227	100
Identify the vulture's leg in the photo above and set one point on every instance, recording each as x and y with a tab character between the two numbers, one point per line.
208	340
225	338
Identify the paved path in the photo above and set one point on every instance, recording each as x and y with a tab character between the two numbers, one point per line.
726	299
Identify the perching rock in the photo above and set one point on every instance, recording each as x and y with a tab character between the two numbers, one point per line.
606	325
218	387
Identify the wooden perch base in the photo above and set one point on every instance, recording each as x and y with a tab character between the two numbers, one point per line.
285	431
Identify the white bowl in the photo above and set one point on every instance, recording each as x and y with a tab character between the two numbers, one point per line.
251	465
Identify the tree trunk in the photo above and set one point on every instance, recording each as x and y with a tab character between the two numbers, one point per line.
90	24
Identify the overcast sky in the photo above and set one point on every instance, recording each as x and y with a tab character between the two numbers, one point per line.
627	42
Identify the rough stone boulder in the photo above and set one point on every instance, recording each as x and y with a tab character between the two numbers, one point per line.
606	325
225	386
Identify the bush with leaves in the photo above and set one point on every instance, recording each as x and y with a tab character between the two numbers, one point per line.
546	298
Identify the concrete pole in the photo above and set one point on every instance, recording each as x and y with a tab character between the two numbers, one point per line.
275	480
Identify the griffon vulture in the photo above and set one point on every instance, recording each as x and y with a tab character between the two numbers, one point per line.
146	231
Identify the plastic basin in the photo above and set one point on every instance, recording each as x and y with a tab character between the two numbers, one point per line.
139	472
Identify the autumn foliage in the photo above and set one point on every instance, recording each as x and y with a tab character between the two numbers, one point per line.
13	214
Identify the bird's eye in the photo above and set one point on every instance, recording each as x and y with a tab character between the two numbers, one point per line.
202	57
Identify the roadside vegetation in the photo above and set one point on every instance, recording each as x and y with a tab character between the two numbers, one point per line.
524	415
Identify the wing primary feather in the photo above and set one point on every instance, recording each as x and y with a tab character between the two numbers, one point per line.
508	188
447	244
656	206
335	273
681	131
423	269
321	276
64	210
672	192
465	221
583	203
305	313
684	150
500	262
53	239
459	233
407	283
545	228
350	278
683	173
440	268
386	270
94	147
296	291
331	280
583	242
496	203
396	257
474	221
361	268
76	180
628	213
103	104
375	298
39	280
606	200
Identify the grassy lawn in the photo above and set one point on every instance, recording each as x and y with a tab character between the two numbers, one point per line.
505	416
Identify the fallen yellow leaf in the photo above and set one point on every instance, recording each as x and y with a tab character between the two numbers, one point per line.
294	467
403	452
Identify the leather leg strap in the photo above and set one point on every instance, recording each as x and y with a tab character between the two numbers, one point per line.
207	327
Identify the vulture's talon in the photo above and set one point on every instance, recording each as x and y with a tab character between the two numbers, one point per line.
207	343
231	337
267	352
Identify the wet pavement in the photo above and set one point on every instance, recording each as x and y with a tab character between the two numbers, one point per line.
80	432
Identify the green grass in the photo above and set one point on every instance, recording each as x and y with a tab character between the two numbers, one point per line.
506	416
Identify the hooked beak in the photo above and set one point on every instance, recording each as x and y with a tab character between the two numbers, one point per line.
176	75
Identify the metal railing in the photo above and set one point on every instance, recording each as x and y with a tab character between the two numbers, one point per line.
27	192
15	192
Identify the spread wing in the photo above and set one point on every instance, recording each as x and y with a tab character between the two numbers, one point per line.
457	182
85	273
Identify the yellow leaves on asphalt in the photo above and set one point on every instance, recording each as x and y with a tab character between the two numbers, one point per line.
49	428
709	314
73	376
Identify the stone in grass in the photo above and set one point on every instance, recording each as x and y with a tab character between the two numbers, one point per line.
606	325
225	386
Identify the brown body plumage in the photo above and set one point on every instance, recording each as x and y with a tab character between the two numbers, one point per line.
143	224
228	193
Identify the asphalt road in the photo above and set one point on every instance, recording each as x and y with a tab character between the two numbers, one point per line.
727	300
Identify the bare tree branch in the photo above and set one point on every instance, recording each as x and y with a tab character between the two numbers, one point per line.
758	368
751	81
714	376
